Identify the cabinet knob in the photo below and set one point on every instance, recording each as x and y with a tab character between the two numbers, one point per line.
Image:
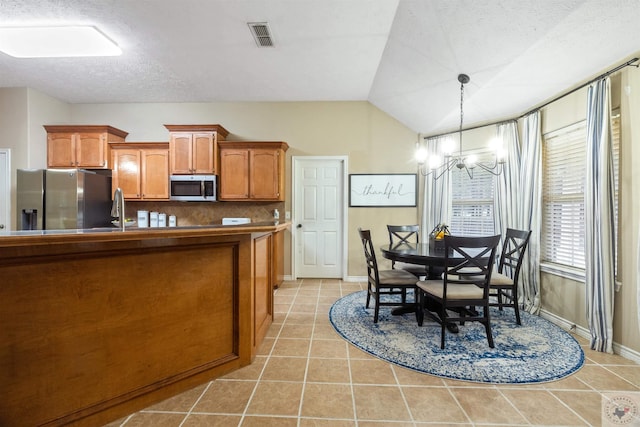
1	226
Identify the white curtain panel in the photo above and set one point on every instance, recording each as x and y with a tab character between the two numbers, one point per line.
507	190
530	208
436	207
599	218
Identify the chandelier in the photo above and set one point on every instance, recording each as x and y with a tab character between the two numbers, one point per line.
435	166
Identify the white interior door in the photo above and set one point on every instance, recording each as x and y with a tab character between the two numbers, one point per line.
5	190
319	216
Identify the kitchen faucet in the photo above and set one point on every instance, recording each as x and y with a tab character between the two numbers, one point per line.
117	208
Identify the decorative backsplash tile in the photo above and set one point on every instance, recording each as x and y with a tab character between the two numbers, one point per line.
207	213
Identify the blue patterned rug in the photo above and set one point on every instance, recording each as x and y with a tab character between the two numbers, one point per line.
537	351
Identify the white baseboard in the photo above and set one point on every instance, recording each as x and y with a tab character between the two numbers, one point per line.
621	350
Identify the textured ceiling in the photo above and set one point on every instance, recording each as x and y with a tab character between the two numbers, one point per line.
403	56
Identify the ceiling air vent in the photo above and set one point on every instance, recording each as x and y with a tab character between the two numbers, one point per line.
261	33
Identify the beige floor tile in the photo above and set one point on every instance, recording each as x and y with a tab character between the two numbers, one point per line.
356	353
253	421
328	401
250	372
309	307
431	404
325	331
328	371
588	404
266	346
603	379
376	402
487	406
325	422
291	347
182	402
606	358
302	301
296	331
225	397
205	420
276	398
374	371
542	408
630	373
569	383
388	423
328	348
409	377
155	419
285	369
300	318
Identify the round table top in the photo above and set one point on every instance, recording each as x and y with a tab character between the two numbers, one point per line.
414	253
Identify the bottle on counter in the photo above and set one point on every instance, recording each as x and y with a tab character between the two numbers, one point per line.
276	214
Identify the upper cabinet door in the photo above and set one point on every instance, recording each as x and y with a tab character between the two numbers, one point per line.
155	174
61	151
91	150
265	174
204	155
181	148
234	174
126	172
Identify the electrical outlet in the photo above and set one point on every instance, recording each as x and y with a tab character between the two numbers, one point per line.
287	215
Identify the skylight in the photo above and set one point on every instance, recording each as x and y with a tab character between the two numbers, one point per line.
56	42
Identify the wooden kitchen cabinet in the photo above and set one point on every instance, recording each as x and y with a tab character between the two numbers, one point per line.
71	146
194	148
252	171
141	170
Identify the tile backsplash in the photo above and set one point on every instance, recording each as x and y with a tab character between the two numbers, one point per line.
207	213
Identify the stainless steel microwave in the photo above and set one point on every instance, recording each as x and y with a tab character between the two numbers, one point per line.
193	188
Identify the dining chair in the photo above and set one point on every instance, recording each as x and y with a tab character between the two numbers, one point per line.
384	283
503	287
464	284
400	235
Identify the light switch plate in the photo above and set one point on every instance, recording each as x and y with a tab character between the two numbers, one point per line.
287	215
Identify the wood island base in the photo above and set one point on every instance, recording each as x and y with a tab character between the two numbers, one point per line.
98	326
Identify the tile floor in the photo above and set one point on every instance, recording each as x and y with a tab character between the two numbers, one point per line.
306	375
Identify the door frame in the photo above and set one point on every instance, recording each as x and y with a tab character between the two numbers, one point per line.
6	152
345	211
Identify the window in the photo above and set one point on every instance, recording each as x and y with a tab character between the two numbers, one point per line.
564	170
472	203
564	167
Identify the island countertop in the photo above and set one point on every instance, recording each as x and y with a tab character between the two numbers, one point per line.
100	323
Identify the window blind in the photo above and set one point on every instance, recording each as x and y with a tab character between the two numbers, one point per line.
564	164
472	203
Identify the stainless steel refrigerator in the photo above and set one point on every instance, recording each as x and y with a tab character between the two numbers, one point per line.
58	199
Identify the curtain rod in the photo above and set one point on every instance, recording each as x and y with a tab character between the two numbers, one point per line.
601	76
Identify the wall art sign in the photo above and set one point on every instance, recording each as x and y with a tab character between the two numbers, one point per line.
383	190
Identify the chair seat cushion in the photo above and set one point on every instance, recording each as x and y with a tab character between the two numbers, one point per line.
396	277
454	291
499	279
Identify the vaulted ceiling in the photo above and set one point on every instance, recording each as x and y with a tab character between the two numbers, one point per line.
403	56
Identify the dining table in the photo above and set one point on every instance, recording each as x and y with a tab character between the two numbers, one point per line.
428	255
417	253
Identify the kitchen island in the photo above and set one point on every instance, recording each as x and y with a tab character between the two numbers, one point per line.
100	323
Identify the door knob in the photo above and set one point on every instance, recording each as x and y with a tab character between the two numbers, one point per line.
299	226
1	226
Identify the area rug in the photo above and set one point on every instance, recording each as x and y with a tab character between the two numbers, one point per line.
534	352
